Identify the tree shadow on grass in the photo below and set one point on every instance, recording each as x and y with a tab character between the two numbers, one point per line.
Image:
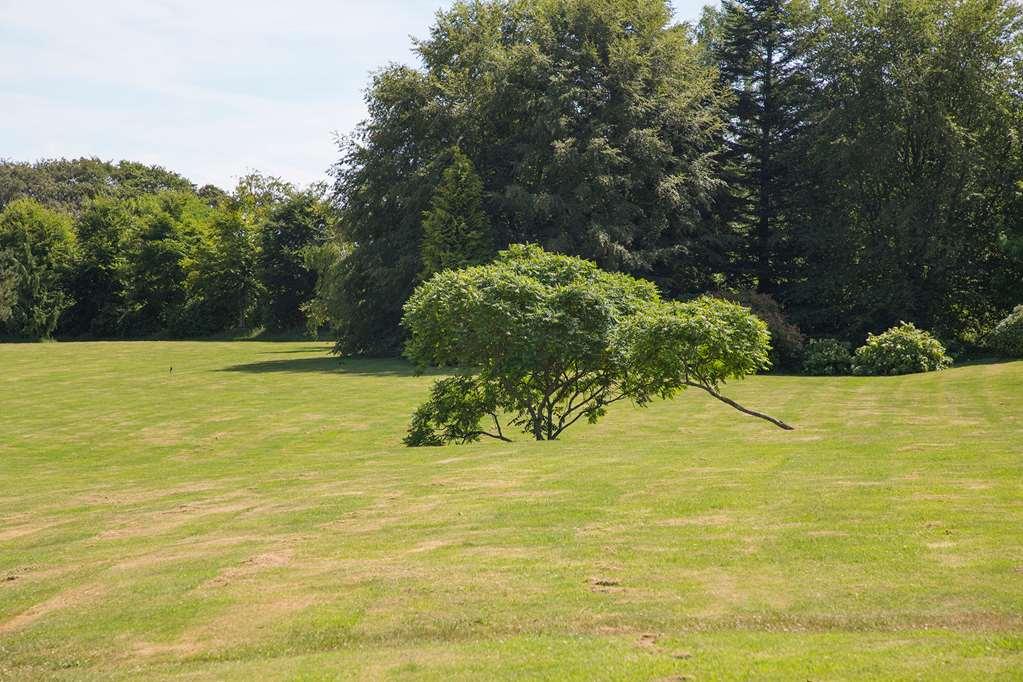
328	365
306	349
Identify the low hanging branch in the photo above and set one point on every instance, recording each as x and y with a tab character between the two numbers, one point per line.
745	410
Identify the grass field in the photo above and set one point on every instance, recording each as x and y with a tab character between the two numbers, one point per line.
252	514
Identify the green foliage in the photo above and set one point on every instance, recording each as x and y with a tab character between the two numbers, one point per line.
295	225
153	261
456	231
911	158
220	276
593	126
1007	337
8	285
38	249
827	357
786	339
169	229
903	349
105	231
550	339
455	412
69	185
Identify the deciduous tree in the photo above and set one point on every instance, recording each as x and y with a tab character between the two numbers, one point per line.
544	341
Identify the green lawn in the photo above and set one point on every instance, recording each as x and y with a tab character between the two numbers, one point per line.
252	514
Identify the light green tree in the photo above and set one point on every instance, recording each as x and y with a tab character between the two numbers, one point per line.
545	340
39	248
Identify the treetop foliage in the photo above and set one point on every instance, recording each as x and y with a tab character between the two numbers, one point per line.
126	250
68	185
591	125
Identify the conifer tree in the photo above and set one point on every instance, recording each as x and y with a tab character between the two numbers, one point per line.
755	45
456	231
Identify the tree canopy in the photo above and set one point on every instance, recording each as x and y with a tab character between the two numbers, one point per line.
838	165
545	340
860	163
592	125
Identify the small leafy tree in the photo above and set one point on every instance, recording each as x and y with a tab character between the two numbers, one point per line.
545	340
456	231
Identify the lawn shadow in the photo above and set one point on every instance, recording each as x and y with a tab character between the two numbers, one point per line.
327	364
307	349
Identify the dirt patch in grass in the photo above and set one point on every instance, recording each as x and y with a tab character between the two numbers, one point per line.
160	522
430	545
701	520
126	497
163	435
240	625
23	530
251	567
62	600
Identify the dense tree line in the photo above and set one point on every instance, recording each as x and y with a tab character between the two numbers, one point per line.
855	163
98	250
839	166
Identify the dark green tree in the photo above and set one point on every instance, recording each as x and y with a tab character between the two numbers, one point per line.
756	46
100	283
456	231
592	124
294	226
914	161
8	285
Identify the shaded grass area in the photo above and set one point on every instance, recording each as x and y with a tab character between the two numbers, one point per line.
251	513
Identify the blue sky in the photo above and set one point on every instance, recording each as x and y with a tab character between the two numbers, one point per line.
209	88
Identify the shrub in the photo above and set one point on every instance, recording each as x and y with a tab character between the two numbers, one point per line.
1007	336
786	338
827	357
900	350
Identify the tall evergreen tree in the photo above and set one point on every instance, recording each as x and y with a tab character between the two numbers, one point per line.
456	231
755	45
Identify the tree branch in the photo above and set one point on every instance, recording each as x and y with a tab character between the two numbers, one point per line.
728	401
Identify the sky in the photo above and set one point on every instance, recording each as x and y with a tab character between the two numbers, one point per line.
212	89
